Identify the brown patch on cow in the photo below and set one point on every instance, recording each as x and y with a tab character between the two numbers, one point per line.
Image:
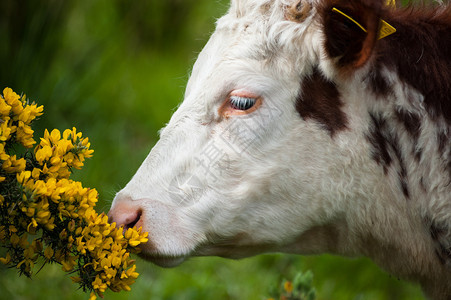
444	148
420	53
345	40
319	99
378	140
386	149
298	11
377	83
411	121
412	124
443	141
403	182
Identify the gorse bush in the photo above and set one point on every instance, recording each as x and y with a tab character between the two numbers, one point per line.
45	217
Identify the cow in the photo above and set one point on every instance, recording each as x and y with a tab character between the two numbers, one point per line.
308	127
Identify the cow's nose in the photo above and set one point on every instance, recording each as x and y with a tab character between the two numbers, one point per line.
125	215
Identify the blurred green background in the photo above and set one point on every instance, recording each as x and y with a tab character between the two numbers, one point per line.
116	70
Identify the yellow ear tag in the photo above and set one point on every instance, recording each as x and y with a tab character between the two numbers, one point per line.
391	3
385	28
348	17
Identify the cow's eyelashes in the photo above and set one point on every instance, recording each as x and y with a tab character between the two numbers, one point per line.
242	103
239	102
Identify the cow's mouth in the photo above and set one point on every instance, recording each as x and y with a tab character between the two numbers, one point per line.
163	261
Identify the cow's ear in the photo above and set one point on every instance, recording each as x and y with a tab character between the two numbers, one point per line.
351	30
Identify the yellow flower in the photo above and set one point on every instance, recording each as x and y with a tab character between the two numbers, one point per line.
3	154
31	228
99	285
72	134
29	211
37	245
4	107
47	199
288	286
50	225
116	261
43	153
53	137
11	97
24	135
15	239
35	173
30	112
38	187
5	260
69	263
110	273
131	272
80	245
5	129
23	176
71	226
14	165
23	242
30	253
134	237
92	296
106	262
48	253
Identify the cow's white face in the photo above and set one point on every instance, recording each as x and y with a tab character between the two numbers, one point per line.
237	170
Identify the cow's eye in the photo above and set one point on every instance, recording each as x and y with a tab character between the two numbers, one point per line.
242	103
239	102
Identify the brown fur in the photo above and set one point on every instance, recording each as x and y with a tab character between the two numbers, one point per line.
420	53
344	39
298	11
319	100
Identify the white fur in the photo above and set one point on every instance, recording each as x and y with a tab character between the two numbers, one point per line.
293	188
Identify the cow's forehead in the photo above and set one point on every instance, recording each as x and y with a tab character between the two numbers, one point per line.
263	9
251	14
269	22
240	8
253	47
255	31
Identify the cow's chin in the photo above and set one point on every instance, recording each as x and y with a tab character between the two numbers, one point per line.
167	253
161	258
173	261
225	250
163	261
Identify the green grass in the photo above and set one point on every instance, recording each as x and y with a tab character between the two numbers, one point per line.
116	70
216	278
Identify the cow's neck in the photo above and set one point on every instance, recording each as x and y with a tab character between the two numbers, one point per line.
408	140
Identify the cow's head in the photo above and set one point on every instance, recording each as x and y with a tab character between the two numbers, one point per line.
262	155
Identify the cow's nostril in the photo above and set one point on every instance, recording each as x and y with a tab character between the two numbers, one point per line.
111	219
131	222
125	215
